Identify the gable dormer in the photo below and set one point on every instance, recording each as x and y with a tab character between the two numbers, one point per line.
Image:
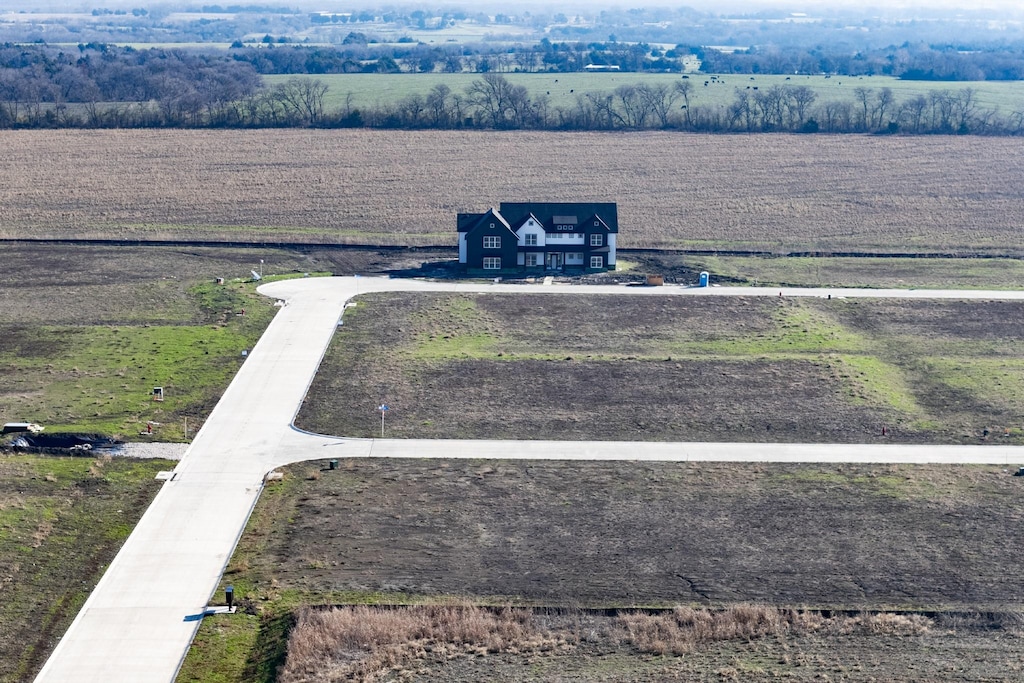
530	230
595	224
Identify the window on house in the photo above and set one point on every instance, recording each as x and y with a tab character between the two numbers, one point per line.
533	259
595	240
531	239
595	262
492	263
596	223
492	242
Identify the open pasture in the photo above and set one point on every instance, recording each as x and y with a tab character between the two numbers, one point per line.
562	89
764	192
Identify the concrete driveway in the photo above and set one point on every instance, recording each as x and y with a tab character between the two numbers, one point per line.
138	623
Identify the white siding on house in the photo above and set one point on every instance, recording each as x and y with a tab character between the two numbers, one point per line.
462	247
563	239
611	248
574	259
521	258
531	227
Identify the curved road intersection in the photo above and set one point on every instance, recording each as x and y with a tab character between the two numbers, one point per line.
138	623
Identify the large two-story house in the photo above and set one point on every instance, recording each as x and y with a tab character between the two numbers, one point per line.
525	237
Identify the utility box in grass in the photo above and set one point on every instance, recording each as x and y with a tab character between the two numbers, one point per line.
655	280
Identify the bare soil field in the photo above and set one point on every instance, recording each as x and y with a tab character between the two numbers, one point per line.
628	534
772	192
80	284
673	369
848	540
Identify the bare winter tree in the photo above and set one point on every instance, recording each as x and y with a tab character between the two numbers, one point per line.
885	102
660	101
799	104
913	113
500	103
634	107
685	89
439	106
303	98
865	116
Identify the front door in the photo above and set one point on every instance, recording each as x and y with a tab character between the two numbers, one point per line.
555	261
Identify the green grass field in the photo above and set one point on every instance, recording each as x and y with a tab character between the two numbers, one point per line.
100	378
900	273
83	345
62	520
373	90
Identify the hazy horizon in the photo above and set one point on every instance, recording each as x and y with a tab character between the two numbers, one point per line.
711	6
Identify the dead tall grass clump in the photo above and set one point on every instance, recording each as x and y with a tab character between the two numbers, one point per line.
683	629
889	624
363	642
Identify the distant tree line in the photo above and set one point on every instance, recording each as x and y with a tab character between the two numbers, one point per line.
909	62
102	86
359	53
41	86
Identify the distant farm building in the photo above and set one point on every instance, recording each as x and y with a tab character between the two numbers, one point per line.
538	237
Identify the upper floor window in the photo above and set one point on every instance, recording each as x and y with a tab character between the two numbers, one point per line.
492	242
531	239
596	240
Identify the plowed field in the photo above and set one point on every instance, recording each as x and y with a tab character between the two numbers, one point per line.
774	192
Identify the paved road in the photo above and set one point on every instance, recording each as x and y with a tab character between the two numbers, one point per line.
137	624
315	446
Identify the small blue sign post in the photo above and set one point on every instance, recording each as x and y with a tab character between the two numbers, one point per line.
383	408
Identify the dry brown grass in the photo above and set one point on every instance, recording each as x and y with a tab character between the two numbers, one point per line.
362	642
685	628
373	643
404	187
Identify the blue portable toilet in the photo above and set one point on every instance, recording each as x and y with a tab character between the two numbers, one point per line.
704	278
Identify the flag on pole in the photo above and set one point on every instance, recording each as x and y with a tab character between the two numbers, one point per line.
382	407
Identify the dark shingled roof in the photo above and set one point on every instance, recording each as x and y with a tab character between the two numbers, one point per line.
545	212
